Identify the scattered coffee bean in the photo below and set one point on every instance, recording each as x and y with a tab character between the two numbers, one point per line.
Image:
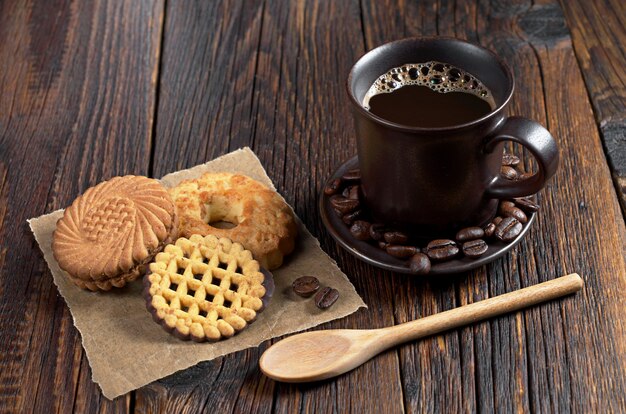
401	252
508	172
360	230
305	286
470	233
504	205
343	205
508	209
517	213
377	231
489	229
419	264
442	249
325	298
524	175
352	175
527	205
350	217
333	187
351	192
396	237
474	248
508	229
510	160
506	226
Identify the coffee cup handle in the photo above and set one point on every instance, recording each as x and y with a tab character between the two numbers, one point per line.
539	142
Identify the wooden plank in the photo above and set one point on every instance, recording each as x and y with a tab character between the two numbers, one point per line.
268	75
304	132
585	204
207	82
524	361
62	113
77	81
567	239
598	31
436	372
207	78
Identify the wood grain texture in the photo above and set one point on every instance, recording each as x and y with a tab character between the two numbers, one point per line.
95	89
508	364
338	351
599	33
77	81
271	85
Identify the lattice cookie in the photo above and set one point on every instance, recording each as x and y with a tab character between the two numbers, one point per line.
206	288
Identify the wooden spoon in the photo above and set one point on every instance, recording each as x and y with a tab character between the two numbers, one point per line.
318	355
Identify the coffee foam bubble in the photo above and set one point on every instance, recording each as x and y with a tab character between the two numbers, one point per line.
438	76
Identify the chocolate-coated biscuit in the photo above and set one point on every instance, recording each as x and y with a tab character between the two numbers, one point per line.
206	288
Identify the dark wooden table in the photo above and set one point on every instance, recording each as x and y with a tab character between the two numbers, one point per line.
94	89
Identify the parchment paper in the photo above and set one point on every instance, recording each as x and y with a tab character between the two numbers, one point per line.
127	350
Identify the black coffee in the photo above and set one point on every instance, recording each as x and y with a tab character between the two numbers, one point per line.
428	95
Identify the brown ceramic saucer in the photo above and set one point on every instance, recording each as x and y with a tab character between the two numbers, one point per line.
371	254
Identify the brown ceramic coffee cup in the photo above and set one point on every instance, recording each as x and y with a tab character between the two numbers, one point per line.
433	180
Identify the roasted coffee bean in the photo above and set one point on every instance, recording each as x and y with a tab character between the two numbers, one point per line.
325	298
396	237
474	248
351	192
517	213
420	264
333	187
510	160
442	249
352	175
343	205
470	233
508	209
496	220
350	217
508	172
377	231
489	229
508	229
504	204
401	252
524	175
383	244
360	230
305	286
527	205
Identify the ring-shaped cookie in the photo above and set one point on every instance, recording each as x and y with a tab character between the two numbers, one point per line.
263	222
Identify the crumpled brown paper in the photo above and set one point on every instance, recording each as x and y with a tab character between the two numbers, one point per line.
127	350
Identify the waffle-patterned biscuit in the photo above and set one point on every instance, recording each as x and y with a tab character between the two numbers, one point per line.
109	234
265	224
205	288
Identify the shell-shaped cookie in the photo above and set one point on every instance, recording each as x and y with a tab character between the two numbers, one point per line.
112	228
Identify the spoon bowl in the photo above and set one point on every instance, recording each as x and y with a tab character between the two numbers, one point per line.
319	355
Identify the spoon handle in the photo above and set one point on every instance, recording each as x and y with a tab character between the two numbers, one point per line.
484	309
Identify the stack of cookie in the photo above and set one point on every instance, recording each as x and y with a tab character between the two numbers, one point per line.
205	286
111	232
